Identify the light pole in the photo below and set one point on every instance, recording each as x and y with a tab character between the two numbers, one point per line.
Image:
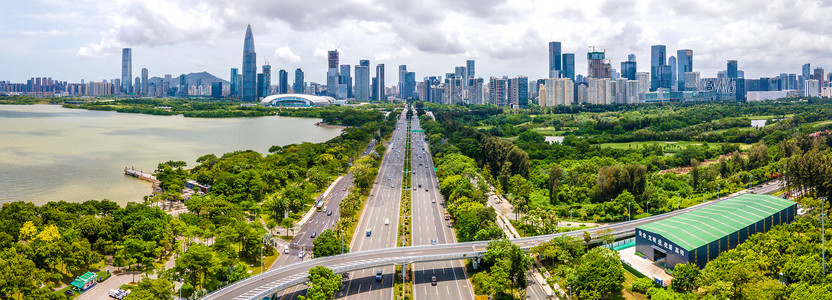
570	291
648	208
750	177
718	189
570	215
628	211
261	259
703	194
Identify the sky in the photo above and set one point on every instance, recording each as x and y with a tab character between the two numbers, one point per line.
72	40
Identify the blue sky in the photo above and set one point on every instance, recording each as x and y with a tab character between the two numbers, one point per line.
82	39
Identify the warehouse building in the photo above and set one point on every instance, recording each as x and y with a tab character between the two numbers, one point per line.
700	235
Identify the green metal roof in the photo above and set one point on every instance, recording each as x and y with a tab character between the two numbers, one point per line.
82	280
700	227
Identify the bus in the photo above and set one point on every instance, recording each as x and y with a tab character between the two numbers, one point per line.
320	205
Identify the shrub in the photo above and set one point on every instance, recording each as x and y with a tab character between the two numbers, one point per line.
643	284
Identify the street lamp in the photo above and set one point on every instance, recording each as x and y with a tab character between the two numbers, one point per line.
678	201
648	208
570	291
628	211
261	258
750	177
718	189
703	194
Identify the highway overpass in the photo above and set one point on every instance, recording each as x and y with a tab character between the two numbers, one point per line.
273	281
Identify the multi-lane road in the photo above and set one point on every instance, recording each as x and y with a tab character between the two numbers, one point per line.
301	244
381	219
430	227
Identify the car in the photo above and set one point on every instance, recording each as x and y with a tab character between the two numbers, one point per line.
433	280
329	212
70	293
433	200
378	275
286	249
426	166
386	221
420	185
314	234
414	188
433	241
426	189
369	232
345	189
392	185
300	254
388	177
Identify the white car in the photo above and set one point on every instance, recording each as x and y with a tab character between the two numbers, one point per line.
386	221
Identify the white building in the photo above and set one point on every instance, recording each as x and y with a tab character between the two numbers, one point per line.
557	91
643	79
812	88
600	91
692	81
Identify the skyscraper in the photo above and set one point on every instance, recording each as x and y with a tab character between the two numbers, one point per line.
126	70
732	69
819	77
283	78
332	75
409	85
807	71
249	80
266	87
362	81
400	86
684	61
469	66
379	89
657	60
672	63
299	86
568	66
234	82
345	83
628	68
554	60
144	82
137	86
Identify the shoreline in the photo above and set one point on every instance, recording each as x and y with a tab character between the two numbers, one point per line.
322	124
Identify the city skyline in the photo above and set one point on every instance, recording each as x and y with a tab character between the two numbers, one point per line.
171	44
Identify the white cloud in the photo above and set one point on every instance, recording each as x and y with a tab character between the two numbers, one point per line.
285	55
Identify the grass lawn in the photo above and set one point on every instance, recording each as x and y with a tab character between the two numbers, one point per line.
267	261
628	281
61	292
550	131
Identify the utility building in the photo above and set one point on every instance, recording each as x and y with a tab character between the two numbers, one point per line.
700	235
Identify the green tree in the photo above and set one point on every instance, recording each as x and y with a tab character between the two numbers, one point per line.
326	244
323	284
599	274
152	289
685	277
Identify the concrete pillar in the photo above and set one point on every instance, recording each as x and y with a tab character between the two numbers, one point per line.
475	261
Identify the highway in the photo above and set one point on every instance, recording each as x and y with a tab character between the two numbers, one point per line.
428	226
320	221
380	218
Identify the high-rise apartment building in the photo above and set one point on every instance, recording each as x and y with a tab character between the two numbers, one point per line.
568	64
283	82
144	82
126	70
497	91
249	80
643	79
299	87
557	91
818	75
600	91
518	91
554	60
658	59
